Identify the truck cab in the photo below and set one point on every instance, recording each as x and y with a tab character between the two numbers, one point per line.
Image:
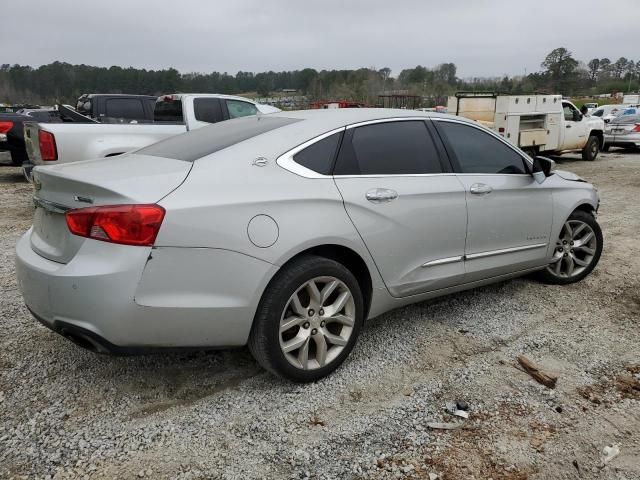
536	123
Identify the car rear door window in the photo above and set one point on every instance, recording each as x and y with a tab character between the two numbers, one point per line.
476	151
389	148
238	108
169	110
319	156
208	110
127	108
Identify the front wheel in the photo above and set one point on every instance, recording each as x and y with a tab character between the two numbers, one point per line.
591	149
308	319
577	250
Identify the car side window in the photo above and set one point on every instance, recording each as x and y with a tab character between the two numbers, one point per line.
598	113
207	110
238	108
319	156
390	148
480	152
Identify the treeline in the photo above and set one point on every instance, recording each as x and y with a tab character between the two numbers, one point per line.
560	73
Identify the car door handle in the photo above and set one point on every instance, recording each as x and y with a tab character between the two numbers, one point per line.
567	126
381	195
480	189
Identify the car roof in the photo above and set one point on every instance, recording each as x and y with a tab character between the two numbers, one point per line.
322	120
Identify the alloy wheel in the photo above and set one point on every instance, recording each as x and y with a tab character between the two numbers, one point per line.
575	249
317	323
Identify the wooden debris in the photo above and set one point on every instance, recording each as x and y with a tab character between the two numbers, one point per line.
539	375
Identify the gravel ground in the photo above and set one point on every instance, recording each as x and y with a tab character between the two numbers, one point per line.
68	413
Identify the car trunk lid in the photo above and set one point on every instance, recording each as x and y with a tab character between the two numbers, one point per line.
123	179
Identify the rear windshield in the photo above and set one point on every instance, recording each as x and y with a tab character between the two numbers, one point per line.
168	111
627	119
204	141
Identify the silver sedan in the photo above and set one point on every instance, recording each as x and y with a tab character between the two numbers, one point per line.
623	131
287	231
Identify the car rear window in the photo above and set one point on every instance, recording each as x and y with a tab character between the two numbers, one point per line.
204	141
167	110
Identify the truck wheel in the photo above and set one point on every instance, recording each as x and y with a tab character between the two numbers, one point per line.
17	158
591	149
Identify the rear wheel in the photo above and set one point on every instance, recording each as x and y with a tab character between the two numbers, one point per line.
308	320
577	250
591	149
17	157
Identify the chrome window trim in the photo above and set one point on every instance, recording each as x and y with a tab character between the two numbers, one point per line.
388	120
503	251
287	162
443	261
495	135
50	206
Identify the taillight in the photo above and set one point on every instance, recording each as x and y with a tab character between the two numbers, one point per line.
48	150
5	126
125	224
636	128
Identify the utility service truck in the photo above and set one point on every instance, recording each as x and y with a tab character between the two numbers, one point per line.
536	123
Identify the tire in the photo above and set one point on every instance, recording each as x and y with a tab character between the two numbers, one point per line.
605	148
17	158
591	149
268	344
557	273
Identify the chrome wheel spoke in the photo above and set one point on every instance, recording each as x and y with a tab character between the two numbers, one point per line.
578	229
584	240
343	319
568	230
582	263
334	339
290	322
328	290
570	265
321	349
296	306
339	303
314	293
585	249
303	354
294	344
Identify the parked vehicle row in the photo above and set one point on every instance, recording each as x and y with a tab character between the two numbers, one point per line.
535	123
49	144
12	130
287	231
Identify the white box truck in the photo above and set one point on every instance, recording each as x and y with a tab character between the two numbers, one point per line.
536	123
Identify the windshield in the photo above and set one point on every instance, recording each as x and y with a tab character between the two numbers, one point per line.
168	109
204	141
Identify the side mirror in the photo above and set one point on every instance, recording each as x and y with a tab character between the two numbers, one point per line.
542	168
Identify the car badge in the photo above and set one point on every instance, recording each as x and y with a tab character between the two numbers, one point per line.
260	162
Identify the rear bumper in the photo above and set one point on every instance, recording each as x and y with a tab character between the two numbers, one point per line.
632	140
124	299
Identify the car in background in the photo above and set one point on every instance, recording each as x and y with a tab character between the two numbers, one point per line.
287	231
591	106
608	112
624	132
172	114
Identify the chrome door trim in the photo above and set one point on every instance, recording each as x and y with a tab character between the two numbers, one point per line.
50	206
287	162
503	251
417	118
443	261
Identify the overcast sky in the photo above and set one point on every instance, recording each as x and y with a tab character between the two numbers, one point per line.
482	37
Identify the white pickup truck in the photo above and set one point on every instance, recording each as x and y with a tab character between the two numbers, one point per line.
535	123
51	144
